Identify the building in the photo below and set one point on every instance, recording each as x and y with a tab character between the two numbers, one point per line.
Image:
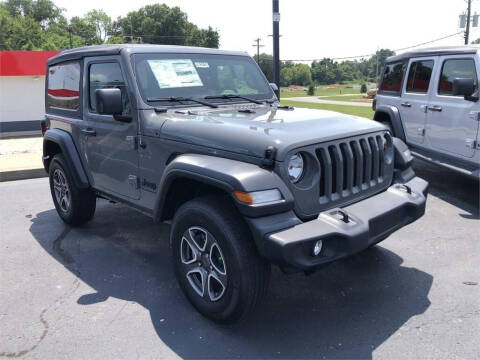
22	91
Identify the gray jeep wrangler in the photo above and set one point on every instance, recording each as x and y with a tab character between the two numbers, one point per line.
197	137
429	98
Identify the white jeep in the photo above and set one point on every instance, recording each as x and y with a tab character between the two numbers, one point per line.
429	98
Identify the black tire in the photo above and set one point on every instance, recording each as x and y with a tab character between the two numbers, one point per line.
246	273
81	202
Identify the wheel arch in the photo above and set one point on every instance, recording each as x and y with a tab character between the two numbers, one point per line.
192	175
390	114
57	141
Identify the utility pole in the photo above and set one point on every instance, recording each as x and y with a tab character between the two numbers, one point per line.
467	28
69	29
257	40
276	45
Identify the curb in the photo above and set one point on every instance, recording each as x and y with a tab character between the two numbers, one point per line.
22	174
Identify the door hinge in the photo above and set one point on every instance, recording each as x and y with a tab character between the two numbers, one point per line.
132	140
421	131
475	115
472	144
134	181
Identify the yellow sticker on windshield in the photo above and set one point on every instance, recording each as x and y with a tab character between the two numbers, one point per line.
175	73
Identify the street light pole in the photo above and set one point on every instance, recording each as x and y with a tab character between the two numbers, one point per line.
276	45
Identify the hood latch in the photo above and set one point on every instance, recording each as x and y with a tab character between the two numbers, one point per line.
268	160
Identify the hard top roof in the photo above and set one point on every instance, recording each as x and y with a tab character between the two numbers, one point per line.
434	51
99	50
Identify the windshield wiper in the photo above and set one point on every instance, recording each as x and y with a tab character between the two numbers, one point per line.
180	99
233	96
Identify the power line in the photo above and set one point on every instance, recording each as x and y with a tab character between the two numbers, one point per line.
369	55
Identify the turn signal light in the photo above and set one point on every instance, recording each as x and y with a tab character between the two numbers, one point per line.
258	197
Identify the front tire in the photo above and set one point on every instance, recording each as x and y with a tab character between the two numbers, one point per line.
75	206
216	261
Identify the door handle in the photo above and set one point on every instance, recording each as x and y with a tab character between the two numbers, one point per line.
435	108
89	132
406	104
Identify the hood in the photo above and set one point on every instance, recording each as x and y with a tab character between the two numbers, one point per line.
231	130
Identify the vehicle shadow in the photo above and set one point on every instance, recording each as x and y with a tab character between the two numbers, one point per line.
343	311
452	187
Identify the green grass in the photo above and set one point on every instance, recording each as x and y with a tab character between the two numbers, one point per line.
287	94
362	111
321	91
344	98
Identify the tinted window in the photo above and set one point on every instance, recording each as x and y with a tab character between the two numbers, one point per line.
456	68
104	76
63	86
419	76
392	77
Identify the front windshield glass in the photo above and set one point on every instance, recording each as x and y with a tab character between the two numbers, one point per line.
163	76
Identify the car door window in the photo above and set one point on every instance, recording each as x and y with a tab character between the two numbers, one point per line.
392	77
419	76
104	76
456	68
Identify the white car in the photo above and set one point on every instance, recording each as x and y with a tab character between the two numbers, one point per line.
429	98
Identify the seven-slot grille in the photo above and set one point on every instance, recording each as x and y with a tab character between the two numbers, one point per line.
352	166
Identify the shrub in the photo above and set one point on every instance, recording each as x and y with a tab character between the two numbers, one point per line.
363	89
311	89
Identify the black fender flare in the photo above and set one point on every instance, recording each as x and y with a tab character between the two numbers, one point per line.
65	142
227	175
395	119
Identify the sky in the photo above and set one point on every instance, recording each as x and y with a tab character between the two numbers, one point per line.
311	29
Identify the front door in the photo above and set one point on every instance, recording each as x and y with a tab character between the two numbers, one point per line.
110	147
414	98
452	121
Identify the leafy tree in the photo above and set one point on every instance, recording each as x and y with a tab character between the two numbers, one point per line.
160	24
265	61
40	25
311	89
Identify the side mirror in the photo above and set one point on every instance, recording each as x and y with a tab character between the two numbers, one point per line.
464	87
275	89
108	101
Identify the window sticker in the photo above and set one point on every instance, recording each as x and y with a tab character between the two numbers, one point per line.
175	73
202	65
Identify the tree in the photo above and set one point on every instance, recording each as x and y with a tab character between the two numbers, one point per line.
265	61
40	25
311	89
160	24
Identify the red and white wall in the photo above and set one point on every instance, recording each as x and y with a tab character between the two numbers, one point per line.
22	91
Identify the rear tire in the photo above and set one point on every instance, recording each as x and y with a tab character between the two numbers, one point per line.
215	260
74	205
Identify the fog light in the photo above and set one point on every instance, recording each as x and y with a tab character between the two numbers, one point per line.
317	248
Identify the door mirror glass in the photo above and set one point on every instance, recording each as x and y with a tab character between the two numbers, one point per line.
108	101
463	87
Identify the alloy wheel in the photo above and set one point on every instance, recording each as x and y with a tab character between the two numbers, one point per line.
61	190
203	263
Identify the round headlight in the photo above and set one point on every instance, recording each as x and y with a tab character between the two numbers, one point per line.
295	167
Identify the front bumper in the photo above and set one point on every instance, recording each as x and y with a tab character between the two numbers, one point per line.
346	231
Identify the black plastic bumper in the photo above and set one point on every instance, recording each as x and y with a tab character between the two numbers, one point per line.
346	231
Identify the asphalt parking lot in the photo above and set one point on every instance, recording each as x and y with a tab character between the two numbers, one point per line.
107	290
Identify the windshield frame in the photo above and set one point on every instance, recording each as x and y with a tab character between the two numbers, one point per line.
266	97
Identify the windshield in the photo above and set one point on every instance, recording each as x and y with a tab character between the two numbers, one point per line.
162	77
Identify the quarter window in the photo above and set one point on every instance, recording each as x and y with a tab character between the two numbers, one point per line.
64	86
456	68
419	76
392	77
104	76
